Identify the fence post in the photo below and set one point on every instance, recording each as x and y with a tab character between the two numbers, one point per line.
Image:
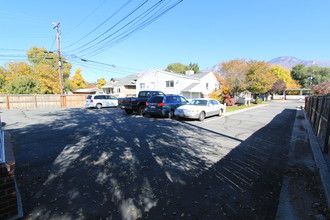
327	133
7	102
64	101
35	101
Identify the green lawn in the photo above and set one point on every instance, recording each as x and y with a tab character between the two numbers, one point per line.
234	108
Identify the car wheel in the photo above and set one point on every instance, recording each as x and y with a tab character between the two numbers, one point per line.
98	106
220	112
201	116
171	114
129	111
141	109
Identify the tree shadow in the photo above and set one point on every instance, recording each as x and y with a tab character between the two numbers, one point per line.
84	164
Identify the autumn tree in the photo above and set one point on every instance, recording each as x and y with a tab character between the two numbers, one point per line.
259	76
45	66
322	88
278	87
77	81
101	82
15	69
3	73
293	84
23	85
281	73
235	74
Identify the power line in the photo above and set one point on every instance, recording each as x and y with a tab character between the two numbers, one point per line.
126	25
121	20
136	24
72	29
102	66
99	25
131	30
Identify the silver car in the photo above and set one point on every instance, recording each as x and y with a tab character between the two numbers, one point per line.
100	101
199	109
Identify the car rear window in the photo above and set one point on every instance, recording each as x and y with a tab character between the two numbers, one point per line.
99	97
157	93
173	99
89	97
156	99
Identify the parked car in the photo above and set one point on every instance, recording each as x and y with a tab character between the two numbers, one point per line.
100	101
200	108
164	105
138	103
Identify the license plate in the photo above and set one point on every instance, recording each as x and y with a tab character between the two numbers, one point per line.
152	106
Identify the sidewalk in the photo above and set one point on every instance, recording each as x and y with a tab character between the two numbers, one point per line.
304	194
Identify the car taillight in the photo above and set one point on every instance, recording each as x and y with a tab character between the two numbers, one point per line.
161	104
147	104
91	100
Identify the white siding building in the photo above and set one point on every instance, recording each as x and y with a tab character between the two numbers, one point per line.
189	85
121	87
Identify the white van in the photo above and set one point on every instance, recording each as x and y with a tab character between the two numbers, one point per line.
99	101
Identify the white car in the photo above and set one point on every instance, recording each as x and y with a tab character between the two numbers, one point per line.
99	101
200	108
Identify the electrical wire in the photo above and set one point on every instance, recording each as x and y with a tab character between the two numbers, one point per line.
81	48
126	25
133	29
100	25
72	29
137	24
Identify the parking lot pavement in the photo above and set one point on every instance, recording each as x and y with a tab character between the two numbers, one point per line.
98	164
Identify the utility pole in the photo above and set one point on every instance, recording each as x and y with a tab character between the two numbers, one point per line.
60	75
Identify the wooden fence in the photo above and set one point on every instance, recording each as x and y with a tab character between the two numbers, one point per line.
318	110
40	101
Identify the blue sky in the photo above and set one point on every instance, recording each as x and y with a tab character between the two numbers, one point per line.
206	32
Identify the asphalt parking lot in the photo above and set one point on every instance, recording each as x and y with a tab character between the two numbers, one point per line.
103	164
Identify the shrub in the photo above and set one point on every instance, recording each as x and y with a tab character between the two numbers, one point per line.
258	100
226	96
216	95
230	101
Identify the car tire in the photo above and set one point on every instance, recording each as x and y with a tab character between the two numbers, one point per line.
201	116
98	106
170	114
141	110
220	112
129	111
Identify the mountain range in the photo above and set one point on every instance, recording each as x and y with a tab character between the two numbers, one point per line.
285	61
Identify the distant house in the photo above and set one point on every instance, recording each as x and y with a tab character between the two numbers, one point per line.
189	85
121	87
90	90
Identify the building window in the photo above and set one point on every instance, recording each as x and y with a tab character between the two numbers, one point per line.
118	90
142	85
169	83
207	86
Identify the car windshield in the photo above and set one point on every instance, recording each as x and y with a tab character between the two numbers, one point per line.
198	102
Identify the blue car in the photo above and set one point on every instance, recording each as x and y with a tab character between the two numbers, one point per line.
164	106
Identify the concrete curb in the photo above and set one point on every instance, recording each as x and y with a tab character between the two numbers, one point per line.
245	109
319	160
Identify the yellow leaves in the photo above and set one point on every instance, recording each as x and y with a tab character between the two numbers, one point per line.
281	73
48	77
101	82
77	81
293	84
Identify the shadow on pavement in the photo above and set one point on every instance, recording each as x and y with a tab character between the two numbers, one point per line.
101	164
